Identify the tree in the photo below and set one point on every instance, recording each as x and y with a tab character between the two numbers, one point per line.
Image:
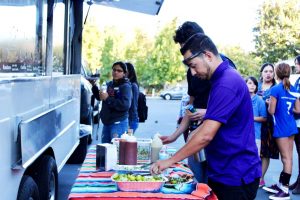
91	47
112	51
246	63
137	52
164	63
277	33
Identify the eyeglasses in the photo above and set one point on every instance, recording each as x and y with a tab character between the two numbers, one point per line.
187	60
117	70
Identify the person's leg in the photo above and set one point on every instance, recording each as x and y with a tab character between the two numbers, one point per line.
119	128
285	146
265	165
105	138
244	192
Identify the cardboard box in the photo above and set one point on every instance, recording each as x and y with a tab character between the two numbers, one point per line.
143	148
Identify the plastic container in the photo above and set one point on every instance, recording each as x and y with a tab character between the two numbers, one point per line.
156	146
131	151
163	154
122	148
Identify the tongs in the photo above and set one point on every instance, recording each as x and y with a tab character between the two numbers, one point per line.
146	165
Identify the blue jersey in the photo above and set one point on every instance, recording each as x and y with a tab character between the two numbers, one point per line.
284	122
259	110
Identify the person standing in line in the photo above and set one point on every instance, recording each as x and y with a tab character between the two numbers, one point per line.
133	119
283	103
198	91
183	103
259	109
269	147
227	130
295	187
115	103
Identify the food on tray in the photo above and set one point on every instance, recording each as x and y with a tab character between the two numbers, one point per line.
138	182
133	168
177	179
137	177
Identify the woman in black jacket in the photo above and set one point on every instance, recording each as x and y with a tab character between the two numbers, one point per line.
116	103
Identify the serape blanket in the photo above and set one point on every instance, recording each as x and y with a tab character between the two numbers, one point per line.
91	184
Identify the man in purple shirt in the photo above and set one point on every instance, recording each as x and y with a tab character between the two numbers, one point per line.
227	131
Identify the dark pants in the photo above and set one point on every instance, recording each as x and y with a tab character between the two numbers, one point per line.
243	192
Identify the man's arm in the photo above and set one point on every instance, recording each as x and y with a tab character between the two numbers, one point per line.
184	124
204	134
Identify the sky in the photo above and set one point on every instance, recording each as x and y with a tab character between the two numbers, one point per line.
226	22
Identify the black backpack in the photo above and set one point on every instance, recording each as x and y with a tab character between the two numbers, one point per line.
142	108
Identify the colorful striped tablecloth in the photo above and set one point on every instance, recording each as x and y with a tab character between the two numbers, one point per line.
92	184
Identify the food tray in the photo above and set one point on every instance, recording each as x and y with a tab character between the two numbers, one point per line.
136	186
139	186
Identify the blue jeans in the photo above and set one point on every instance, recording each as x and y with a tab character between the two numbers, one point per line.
134	124
198	168
116	129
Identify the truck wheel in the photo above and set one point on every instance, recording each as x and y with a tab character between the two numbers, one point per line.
45	176
28	189
79	154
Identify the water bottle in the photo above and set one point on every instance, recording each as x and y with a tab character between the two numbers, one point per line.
193	124
199	157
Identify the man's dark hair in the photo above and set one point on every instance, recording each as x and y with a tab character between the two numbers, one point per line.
199	42
185	31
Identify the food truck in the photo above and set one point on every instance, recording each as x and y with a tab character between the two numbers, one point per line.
40	87
40	60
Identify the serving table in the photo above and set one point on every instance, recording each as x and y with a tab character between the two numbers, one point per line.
91	184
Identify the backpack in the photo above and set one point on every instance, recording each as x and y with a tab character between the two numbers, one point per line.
142	108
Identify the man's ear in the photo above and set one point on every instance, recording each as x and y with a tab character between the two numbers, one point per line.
208	55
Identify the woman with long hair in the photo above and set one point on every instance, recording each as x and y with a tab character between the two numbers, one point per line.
283	103
115	103
269	148
133	118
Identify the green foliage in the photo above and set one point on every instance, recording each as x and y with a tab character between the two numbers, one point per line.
164	62
277	33
137	52
91	48
247	64
111	52
157	62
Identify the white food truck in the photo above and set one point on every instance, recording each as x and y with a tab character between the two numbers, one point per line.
40	87
41	92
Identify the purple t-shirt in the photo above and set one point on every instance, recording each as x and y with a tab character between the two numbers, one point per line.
232	155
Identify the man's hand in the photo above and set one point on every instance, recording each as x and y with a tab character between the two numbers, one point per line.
196	116
160	165
168	139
